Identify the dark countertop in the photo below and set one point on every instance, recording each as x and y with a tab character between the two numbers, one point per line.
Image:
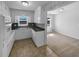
30	25
35	28
38	29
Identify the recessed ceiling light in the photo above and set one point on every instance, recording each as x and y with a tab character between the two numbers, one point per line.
25	3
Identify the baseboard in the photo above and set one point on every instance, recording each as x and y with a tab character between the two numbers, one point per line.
67	35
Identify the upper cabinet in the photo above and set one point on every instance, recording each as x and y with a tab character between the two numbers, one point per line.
38	16
4	10
1	8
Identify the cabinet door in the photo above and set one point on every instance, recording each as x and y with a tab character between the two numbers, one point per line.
37	15
10	44
0	7
34	36
1	33
38	38
23	33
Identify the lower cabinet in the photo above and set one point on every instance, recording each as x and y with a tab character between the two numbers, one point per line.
38	38
22	33
7	46
6	38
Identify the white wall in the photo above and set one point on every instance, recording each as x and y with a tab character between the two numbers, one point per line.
16	12
67	22
47	7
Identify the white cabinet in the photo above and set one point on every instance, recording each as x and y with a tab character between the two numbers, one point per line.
8	45
6	41
5	9
1	34
22	33
0	7
38	38
38	15
6	38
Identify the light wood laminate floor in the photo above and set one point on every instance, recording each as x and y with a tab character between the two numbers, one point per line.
62	45
58	45
26	48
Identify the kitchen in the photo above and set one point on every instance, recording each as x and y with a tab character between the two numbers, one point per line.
20	24
28	28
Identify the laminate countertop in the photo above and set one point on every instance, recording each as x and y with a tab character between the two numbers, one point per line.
35	28
38	28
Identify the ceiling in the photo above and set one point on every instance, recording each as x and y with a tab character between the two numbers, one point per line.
18	5
35	4
58	7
